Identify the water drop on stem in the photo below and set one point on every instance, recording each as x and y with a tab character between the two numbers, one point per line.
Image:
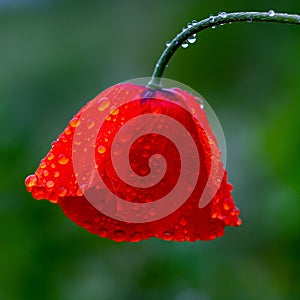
271	13
185	44
223	14
192	39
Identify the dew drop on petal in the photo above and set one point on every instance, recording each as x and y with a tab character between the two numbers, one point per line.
75	122
147	146
118	235
50	184
117	149
30	180
182	220
56	174
62	191
168	235
101	149
104	103
97	219
102	232
91	123
114	111
45	173
136	237
152	212
125	134
168	43
67	131
63	159
228	204
50	156
43	165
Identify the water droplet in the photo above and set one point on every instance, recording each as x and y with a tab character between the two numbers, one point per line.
68	131
90	123
50	156
62	191
136	237
194	22
213	234
97	219
102	232
30	180
114	111
144	169
43	165
228	204
189	25
192	39
63	159
75	122
222	14
147	145
271	13
183	220
152	212
101	149
183	29
56	174
213	27
50	184
168	43
45	173
185	44
117	149
125	134
79	192
118	235
211	18
249	20
168	235
104	103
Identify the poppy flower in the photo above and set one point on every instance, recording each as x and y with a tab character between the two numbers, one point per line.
136	163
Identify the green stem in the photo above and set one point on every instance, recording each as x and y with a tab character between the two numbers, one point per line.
211	22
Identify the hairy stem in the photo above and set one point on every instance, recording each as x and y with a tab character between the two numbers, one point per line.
212	21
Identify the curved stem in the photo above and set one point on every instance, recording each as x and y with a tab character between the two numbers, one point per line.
211	22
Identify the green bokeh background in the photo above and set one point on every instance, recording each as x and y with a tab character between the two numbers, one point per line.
56	55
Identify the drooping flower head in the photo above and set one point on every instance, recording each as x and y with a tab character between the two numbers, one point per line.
136	163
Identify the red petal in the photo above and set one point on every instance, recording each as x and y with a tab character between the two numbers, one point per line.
56	181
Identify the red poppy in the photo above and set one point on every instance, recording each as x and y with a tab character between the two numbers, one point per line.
66	177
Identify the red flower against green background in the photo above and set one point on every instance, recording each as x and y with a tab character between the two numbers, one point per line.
79	174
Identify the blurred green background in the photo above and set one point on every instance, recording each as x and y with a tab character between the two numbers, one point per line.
56	55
